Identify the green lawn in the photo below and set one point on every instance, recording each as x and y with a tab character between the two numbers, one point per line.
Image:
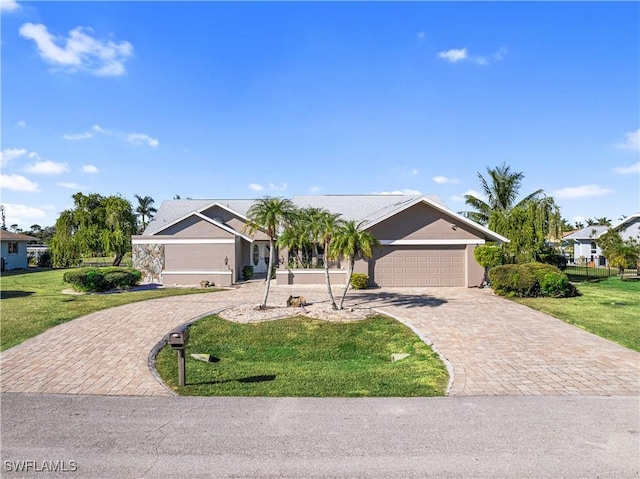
609	308
306	357
32	302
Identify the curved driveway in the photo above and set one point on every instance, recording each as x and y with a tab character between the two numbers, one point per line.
493	346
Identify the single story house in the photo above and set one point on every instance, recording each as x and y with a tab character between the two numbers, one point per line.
423	242
14	250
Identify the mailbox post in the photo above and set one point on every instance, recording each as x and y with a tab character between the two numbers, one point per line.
177	340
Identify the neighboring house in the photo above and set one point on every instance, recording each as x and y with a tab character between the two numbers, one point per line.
629	228
585	240
424	243
14	250
585	246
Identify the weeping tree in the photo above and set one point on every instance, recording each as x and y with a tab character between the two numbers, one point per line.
97	226
352	242
269	215
529	223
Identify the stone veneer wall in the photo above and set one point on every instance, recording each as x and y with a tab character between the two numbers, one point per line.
149	259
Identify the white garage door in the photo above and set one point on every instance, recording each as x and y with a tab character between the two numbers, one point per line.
416	266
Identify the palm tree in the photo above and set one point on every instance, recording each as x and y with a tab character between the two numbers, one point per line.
352	242
329	225
603	221
145	210
529	223
268	214
619	252
295	239
501	193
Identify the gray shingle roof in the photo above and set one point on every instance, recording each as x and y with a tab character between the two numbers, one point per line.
172	210
366	208
590	232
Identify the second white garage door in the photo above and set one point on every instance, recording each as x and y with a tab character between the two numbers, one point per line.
420	266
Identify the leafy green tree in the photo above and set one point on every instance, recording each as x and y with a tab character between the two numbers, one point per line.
488	256
97	225
603	221
269	214
620	253
528	223
352	242
145	210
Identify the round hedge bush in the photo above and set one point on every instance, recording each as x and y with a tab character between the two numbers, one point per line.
359	281
531	280
102	279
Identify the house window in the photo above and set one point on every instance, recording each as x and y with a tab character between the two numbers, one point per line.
13	247
593	247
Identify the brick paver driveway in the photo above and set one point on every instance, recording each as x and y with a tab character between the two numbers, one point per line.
493	346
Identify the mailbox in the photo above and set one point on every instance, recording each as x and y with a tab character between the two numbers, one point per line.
178	338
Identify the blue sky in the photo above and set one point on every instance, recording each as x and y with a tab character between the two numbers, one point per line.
243	100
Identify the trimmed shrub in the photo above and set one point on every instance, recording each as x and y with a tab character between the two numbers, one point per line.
359	281
45	260
247	273
531	280
102	279
557	260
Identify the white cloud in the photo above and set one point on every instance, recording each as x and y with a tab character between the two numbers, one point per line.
474	193
627	170
90	169
406	191
71	185
273	187
256	187
141	138
22	124
457	55
81	51
17	183
77	136
314	189
631	142
22	214
454	55
9	5
581	191
421	36
47	167
11	154
443	179
99	129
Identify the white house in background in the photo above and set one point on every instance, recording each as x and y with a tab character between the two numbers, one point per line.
629	228
14	250
585	246
585	240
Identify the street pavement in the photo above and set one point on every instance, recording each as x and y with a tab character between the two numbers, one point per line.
96	436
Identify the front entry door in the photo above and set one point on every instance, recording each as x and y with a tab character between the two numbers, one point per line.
260	256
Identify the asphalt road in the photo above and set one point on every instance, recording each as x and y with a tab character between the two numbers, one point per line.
477	437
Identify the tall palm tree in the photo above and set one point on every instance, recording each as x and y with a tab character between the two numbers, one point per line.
352	242
501	191
145	210
295	239
329	226
528	223
268	214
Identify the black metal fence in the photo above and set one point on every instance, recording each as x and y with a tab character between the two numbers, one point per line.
598	271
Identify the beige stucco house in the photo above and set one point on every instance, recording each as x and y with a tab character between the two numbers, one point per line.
423	242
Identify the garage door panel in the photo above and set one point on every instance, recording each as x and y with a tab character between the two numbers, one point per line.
420	266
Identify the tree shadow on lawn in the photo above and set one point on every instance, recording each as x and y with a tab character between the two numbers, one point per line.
15	294
386	298
250	379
